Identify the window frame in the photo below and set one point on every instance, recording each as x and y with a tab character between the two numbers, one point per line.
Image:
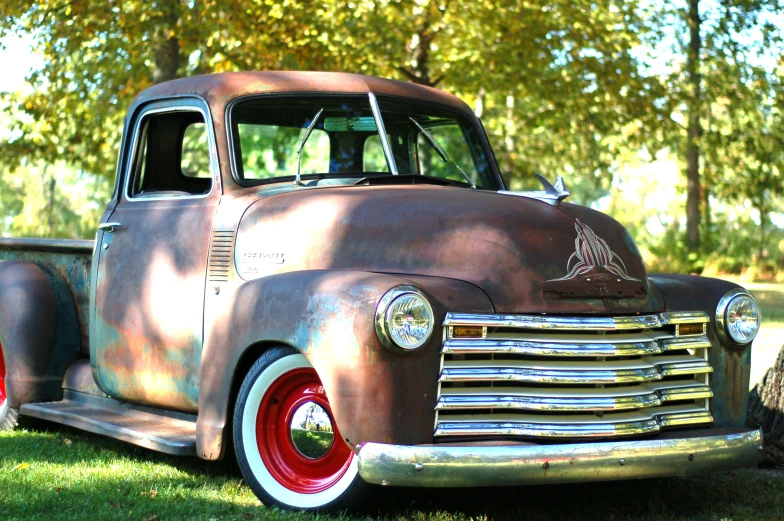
188	104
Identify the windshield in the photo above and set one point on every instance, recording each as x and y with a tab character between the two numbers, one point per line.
345	144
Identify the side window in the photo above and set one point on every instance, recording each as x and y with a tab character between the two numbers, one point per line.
172	157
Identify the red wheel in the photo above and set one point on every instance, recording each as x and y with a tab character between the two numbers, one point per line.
288	445
7	414
3	395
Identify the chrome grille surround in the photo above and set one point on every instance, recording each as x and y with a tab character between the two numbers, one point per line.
572	377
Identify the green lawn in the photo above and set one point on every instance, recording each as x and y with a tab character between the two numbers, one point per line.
62	474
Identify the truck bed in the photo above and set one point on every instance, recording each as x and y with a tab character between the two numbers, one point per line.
71	258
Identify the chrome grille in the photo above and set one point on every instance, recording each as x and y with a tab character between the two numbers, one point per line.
572	377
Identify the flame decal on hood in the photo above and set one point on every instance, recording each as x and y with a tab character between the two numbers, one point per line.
592	255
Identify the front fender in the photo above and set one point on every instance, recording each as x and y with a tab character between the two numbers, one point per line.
328	316
39	331
731	364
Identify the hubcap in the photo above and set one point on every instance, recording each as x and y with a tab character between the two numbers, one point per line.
3	396
312	430
296	434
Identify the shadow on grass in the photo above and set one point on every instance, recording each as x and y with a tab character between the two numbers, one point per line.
188	488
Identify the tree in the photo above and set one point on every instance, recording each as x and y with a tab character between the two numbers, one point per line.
551	79
722	36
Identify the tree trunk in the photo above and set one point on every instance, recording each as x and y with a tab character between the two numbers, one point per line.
167	50
694	130
766	410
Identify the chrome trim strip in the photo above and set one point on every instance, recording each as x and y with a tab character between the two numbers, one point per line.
160	107
504	400
585	425
572	348
639	370
555	399
554	376
554	430
635	322
382	133
472	465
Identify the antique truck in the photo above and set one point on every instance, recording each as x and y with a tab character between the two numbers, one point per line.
324	274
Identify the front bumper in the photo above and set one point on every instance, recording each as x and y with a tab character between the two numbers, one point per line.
475	465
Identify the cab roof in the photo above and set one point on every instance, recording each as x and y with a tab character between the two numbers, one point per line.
220	88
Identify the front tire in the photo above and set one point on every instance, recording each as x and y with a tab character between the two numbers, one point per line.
8	415
278	385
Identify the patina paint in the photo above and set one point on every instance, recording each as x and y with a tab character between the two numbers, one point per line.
150	302
71	259
328	315
39	331
508	246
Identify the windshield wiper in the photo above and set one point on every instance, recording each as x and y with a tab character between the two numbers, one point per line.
444	156
308	132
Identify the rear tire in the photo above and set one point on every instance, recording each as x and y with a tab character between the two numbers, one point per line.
8	416
278	385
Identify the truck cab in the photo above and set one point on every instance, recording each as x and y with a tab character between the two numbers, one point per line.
327	270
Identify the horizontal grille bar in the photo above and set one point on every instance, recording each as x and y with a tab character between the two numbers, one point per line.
550	348
604	372
636	322
583	425
554	399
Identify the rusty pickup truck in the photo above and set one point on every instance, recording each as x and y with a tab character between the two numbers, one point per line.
324	274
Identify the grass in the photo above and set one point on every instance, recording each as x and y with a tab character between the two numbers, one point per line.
54	473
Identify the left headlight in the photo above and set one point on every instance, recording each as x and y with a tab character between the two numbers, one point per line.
738	316
404	319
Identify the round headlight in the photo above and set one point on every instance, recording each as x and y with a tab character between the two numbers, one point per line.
739	316
404	319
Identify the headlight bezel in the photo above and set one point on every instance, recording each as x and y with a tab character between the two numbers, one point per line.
382	327
722	326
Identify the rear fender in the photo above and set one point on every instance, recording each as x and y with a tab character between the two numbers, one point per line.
39	331
328	316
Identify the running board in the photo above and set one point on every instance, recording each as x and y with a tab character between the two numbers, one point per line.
159	430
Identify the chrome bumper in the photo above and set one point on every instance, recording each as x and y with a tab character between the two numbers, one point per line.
473	465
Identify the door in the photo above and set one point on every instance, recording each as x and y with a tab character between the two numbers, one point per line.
147	334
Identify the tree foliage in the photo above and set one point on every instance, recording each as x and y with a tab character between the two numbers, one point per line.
563	87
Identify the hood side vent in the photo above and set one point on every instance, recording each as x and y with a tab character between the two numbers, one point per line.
220	256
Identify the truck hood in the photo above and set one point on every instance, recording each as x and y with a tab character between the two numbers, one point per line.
527	255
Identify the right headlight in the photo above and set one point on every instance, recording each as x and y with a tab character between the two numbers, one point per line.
738	316
404	319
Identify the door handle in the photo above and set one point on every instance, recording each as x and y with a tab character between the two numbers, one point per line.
109	227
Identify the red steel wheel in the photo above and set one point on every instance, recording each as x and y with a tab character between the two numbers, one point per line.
3	394
288	445
7	414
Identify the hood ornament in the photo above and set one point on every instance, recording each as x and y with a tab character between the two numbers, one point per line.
552	194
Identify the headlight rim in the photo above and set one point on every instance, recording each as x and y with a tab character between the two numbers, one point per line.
381	314
721	316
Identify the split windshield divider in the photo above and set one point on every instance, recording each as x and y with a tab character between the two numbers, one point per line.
382	134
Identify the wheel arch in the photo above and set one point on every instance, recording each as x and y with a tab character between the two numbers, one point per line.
328	316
